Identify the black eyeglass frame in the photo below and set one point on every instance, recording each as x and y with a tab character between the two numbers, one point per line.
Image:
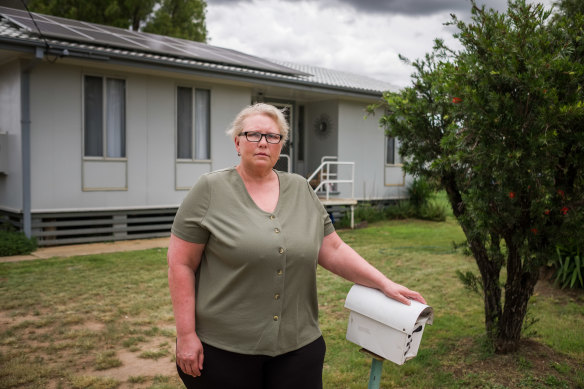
246	133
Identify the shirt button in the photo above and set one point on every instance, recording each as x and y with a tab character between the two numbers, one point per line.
281	250
277	296
277	230
272	217
280	272
275	317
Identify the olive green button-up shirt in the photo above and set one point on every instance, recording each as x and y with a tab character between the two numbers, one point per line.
256	284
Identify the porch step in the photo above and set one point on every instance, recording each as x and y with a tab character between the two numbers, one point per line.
322	193
337	201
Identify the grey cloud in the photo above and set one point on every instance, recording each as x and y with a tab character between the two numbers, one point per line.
407	7
400	7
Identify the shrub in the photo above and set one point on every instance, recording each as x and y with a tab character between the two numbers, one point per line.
420	192
368	212
432	211
363	212
401	210
15	242
569	268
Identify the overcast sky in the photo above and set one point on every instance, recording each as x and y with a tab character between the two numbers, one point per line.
357	36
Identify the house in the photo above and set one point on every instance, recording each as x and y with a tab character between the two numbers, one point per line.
104	130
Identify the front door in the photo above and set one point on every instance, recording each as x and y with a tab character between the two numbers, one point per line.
286	161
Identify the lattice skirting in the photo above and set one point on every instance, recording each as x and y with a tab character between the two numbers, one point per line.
60	228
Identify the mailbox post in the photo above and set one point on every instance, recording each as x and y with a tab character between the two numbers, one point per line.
376	367
385	328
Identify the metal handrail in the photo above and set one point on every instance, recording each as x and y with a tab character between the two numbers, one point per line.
324	170
328	174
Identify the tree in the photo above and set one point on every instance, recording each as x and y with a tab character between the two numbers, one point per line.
137	11
117	13
498	125
177	18
181	19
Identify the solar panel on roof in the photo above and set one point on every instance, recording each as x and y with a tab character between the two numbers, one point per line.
112	40
70	22
103	28
100	33
74	30
49	29
15	11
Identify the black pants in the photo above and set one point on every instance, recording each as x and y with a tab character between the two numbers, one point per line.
222	369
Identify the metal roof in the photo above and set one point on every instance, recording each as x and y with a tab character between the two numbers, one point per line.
324	76
93	41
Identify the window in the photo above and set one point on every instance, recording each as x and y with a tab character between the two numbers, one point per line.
390	151
104	102
193	140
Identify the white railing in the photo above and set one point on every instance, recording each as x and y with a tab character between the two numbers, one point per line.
327	174
329	179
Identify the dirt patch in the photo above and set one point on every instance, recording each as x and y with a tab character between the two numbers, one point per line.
135	366
136	371
546	288
92	326
142	364
13	320
539	363
534	365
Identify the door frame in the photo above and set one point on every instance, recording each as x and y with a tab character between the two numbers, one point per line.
292	122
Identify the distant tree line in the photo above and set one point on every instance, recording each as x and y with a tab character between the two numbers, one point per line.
177	18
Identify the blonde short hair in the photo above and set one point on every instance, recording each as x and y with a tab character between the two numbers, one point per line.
270	111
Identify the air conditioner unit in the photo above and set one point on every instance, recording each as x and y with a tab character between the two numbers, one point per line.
3	153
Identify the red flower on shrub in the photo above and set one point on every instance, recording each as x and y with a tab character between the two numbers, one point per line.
564	210
456	100
547	212
561	193
511	195
534	230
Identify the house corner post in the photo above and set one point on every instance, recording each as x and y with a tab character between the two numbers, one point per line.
25	123
25	144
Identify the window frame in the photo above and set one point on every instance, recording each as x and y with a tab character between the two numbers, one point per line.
193	124
104	117
396	157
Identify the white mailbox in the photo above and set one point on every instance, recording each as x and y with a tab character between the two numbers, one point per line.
385	326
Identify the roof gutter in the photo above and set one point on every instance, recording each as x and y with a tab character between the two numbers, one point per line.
144	62
225	74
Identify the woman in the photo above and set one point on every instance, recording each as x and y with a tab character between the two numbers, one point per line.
246	242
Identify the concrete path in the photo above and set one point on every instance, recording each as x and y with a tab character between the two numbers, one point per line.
90	248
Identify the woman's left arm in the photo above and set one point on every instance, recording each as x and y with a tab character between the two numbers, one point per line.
339	258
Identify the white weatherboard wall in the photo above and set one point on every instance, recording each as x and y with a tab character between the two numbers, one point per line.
55	135
11	182
362	140
150	139
57	141
317	147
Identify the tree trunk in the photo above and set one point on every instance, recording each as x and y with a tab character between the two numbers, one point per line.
490	268
135	23
518	290
491	294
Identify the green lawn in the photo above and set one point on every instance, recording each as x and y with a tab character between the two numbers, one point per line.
105	321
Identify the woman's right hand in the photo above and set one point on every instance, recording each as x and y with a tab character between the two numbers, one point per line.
189	354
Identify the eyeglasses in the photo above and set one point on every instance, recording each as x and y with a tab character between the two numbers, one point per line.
253	136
